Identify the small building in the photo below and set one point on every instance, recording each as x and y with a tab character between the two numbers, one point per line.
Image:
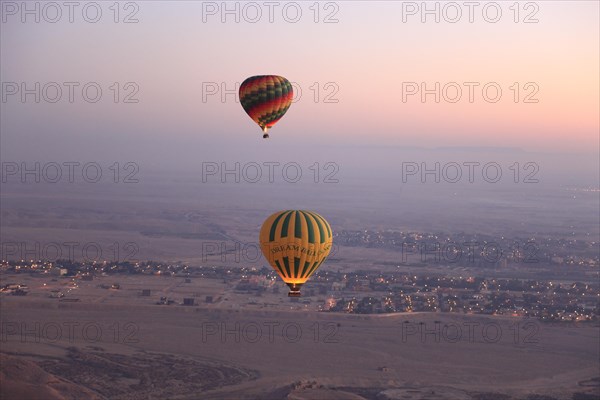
188	301
208	299
145	292
57	271
188	280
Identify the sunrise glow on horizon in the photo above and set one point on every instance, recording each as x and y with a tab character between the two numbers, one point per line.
355	76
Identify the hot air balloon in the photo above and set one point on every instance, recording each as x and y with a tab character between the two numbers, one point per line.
265	98
295	242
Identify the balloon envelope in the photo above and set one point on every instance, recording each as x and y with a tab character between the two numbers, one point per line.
266	98
295	242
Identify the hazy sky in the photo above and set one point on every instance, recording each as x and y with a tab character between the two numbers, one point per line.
367	60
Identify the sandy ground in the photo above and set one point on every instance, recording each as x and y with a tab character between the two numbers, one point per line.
117	344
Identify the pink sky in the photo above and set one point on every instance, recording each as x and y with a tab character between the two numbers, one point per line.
368	54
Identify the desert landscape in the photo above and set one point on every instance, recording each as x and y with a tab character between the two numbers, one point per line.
119	344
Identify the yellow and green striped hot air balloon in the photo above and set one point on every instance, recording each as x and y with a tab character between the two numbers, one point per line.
295	242
266	98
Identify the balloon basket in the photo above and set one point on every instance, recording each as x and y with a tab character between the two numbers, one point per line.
294	290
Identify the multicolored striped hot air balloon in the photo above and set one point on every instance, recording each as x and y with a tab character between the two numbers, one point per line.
265	98
295	243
